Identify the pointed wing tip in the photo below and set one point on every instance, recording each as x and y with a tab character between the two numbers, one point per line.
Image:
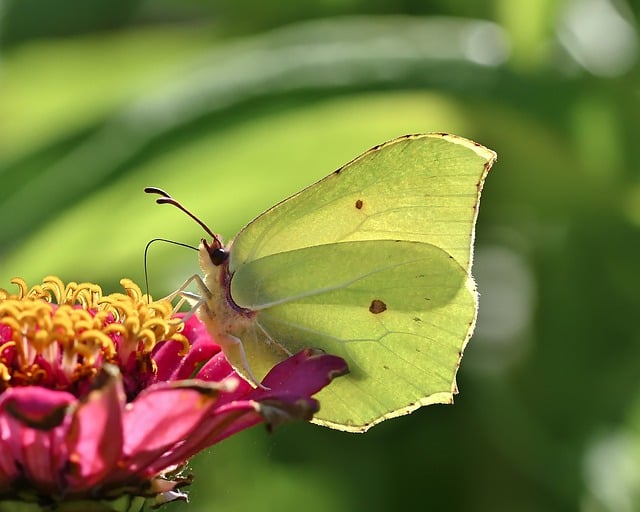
484	152
488	155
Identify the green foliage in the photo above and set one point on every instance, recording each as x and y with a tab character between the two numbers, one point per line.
159	93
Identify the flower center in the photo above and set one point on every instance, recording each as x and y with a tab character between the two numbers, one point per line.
59	336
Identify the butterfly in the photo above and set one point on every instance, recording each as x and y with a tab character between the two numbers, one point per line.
371	263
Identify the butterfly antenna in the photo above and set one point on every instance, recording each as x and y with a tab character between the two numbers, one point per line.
167	199
146	251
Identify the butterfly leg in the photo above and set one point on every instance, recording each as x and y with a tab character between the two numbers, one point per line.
194	300
233	350
232	346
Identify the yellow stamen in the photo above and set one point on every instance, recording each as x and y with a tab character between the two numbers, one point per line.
86	328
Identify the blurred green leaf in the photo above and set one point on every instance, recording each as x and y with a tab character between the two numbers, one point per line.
29	19
53	90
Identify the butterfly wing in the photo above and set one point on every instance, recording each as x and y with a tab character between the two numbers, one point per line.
372	264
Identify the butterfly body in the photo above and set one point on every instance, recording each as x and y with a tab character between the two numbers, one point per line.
226	322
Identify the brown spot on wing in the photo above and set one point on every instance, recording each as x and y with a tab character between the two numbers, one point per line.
377	306
359	204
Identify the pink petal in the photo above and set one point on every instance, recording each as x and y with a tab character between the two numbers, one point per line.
218	369
32	429
36	407
95	436
167	358
173	366
287	390
303	374
237	416
163	417
291	383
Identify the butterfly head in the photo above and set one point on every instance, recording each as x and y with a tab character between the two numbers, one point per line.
215	251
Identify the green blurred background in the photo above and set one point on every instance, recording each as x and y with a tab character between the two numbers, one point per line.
232	105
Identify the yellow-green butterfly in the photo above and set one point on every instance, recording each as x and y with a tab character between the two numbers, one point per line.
371	263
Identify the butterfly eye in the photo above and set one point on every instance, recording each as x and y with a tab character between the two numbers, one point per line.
218	256
217	253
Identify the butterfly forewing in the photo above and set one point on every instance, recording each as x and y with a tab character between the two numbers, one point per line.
421	188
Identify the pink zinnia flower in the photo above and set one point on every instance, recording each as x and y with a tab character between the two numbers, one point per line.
103	398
